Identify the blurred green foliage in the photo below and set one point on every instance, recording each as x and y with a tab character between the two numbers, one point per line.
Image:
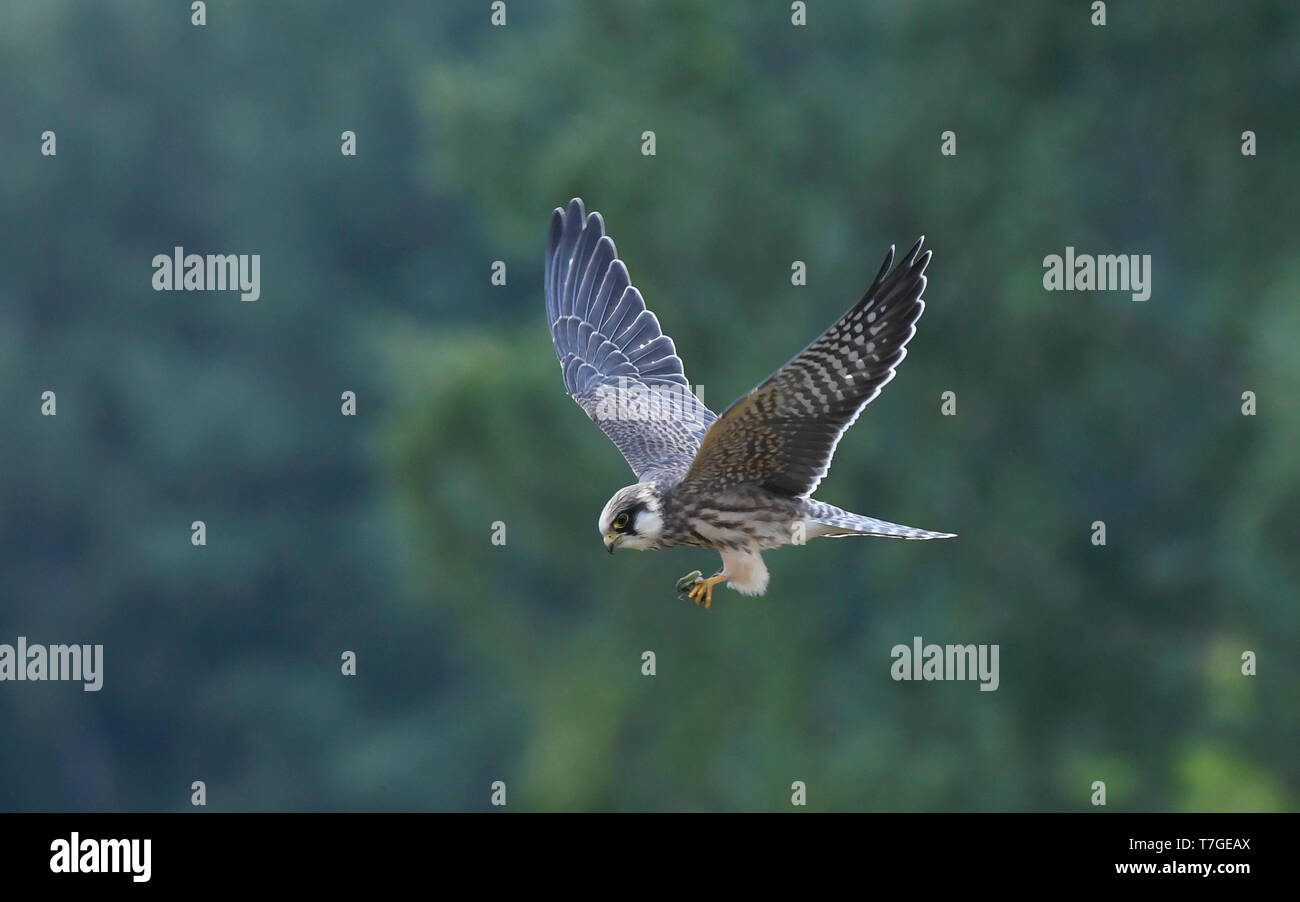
522	663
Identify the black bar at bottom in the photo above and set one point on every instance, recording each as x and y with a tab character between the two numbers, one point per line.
212	850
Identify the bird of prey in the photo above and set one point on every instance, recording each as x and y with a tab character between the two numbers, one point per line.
739	483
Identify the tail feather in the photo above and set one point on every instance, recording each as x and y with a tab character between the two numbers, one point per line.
831	521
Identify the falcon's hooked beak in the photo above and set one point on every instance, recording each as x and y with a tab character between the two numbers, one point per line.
612	541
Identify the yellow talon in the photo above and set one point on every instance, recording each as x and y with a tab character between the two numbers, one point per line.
702	591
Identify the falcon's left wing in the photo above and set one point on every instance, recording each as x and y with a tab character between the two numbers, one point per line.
617	363
783	434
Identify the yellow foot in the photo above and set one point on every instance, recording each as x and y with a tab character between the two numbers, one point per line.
702	591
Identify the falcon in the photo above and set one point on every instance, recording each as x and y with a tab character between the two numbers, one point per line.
740	483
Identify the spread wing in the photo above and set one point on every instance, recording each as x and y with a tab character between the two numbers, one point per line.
617	363
783	434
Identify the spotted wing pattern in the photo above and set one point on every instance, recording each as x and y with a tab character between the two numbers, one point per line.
783	434
617	363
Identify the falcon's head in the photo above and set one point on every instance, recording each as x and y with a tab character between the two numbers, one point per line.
633	518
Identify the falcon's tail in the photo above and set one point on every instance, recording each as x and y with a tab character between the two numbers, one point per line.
828	520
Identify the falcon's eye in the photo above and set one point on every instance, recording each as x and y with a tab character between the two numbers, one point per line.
620	522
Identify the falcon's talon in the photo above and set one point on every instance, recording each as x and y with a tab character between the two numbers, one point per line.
702	591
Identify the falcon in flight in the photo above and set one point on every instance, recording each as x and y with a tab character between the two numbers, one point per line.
741	482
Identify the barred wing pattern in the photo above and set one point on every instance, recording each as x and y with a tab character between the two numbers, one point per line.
617	363
783	434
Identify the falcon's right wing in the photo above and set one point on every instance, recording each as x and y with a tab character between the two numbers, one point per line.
783	434
617	363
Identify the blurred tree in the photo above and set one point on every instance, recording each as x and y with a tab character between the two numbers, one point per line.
522	662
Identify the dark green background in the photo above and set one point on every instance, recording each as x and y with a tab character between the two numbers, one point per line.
522	663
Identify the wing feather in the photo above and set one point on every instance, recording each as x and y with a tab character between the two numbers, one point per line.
612	350
782	435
